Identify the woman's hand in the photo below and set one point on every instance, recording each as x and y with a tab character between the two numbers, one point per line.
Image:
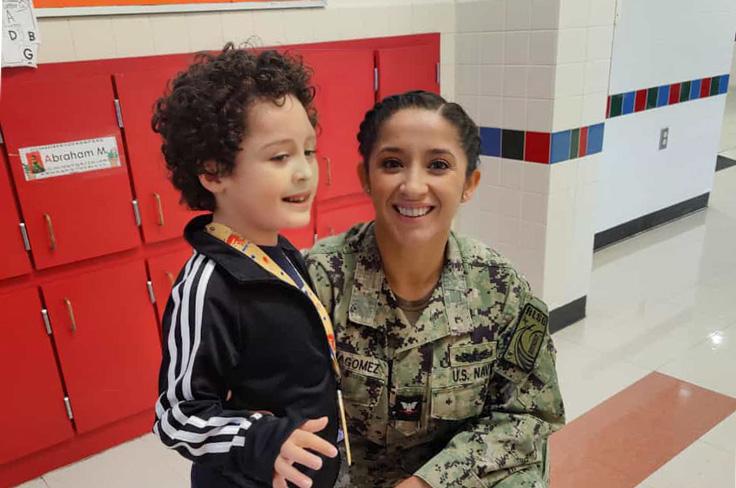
413	482
294	450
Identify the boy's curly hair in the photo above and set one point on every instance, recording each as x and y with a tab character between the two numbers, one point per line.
202	116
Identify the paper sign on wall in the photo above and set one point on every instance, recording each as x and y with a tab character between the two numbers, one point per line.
20	34
69	157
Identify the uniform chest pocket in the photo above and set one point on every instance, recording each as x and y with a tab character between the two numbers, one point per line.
459	391
363	382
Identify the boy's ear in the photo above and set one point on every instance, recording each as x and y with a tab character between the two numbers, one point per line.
211	180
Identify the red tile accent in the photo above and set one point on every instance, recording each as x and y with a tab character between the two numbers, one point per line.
537	147
675	93
705	88
608	107
635	432
641	101
583	142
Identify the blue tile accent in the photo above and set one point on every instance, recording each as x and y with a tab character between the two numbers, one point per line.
695	89
561	146
628	105
724	84
595	139
663	96
490	141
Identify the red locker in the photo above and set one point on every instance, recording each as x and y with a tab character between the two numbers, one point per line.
344	84
339	215
106	336
407	68
14	260
162	216
301	238
77	213
33	412
163	271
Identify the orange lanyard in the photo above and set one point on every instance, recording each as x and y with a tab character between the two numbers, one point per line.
255	253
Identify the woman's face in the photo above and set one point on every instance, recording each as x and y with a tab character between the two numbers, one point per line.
417	176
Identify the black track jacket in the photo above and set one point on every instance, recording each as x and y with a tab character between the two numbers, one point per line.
231	328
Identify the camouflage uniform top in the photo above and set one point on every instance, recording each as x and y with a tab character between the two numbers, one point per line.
468	395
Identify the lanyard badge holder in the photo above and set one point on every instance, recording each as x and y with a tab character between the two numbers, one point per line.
255	253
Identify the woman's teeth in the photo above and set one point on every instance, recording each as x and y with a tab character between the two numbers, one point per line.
413	212
300	199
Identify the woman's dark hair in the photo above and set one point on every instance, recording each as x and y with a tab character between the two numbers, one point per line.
202	116
452	112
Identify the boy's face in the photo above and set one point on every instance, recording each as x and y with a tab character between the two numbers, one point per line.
274	180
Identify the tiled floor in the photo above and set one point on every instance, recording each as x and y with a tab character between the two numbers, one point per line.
663	303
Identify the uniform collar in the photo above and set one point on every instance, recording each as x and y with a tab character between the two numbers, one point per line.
366	298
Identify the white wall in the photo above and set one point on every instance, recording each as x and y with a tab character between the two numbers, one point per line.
82	38
659	42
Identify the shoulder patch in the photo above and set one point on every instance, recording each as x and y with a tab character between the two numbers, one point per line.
528	336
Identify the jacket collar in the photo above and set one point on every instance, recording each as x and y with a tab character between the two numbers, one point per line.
231	260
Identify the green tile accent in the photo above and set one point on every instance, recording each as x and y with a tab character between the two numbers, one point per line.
616	104
652	97
575	141
714	84
685	91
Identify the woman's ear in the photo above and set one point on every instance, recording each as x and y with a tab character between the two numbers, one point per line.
471	184
363	177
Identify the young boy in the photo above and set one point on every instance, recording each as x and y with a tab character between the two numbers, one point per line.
247	387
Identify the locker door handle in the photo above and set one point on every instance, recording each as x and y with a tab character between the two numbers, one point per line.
328	161
70	311
160	209
50	229
170	277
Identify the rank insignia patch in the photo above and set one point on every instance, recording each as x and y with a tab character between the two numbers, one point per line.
408	408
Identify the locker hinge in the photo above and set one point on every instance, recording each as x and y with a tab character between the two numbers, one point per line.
137	213
118	113
68	406
438	74
2	139
375	79
149	285
24	235
46	321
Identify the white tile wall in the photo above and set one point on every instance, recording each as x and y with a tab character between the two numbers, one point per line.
514	113
517	47
571	45
518	15
543	47
468	48
57	40
492	47
540	115
514	81
545	14
541	81
237	27
491	80
91	37
205	31
490	111
569	79
574	13
138	45
467	80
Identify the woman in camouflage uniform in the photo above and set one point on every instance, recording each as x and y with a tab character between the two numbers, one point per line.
448	366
